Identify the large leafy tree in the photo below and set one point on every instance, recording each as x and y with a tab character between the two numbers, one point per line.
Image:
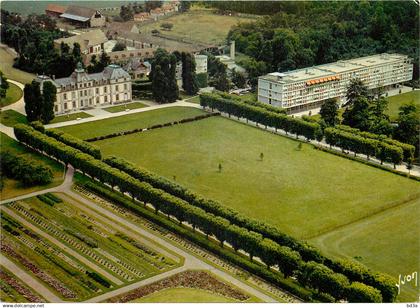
163	76
189	79
49	93
33	101
357	116
329	112
408	129
380	123
356	89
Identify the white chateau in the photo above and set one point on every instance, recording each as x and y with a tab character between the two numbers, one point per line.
308	88
82	90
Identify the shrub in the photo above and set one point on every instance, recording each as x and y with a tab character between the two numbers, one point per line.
46	200
54	198
99	279
358	292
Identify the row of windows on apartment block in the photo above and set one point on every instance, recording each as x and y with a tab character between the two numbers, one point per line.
85	92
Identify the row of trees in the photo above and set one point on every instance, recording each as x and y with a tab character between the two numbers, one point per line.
287	260
74	142
312	131
298	35
27	171
367	117
367	146
39	106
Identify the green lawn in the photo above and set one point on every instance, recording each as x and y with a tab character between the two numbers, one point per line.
70	117
11	118
184	295
305	193
6	66
395	102
195	25
386	242
13	94
13	188
123	107
131	121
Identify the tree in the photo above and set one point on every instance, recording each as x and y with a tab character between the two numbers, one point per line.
4	85
357	115
119	47
167	26
261	156
220	167
380	123
358	292
77	54
151	5
163	76
126	13
189	79
49	93
356	89
184	6
238	79
33	101
329	112
408	129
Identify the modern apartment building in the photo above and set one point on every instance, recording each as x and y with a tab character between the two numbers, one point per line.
82	90
308	88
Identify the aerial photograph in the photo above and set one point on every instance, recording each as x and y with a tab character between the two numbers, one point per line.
162	152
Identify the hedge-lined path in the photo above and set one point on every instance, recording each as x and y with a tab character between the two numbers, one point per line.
63	247
29	280
18	106
100	116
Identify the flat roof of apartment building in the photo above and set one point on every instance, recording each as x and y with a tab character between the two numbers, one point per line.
330	69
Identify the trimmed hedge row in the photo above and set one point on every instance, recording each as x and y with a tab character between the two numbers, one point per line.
75	142
138	130
408	149
310	131
358	144
286	259
252	103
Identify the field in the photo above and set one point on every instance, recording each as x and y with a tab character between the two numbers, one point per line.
13	94
70	117
123	107
6	66
395	102
194	25
11	118
13	188
132	121
75	251
286	188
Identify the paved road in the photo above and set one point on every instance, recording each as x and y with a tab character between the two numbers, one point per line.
29	280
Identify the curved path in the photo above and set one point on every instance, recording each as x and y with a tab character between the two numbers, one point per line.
18	106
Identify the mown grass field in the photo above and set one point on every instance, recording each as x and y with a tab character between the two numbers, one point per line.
11	118
13	188
6	66
131	121
123	107
385	242
13	94
306	193
395	102
194	25
70	117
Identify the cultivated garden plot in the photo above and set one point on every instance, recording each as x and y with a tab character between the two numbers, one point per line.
288	185
75	255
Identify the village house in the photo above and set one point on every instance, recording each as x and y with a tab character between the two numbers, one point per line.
114	29
83	16
91	42
54	10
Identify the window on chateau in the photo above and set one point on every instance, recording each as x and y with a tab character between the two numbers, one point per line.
125	86
118	97
65	95
65	106
97	90
74	104
105	89
85	92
